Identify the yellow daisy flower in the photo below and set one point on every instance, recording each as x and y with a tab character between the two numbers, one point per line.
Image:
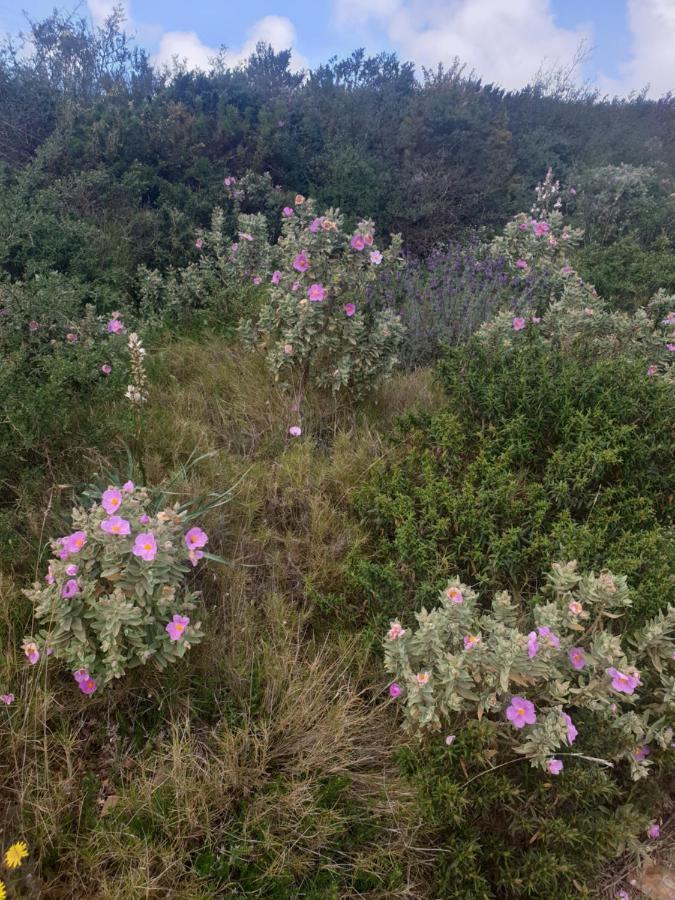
3	891
16	855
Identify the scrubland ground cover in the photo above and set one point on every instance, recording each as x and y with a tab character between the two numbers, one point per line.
327	571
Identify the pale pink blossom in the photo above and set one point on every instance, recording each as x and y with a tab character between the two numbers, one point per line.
395	630
295	431
176	627
145	546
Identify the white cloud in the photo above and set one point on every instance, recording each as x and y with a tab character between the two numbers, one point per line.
185	46
101	9
505	41
278	31
652	53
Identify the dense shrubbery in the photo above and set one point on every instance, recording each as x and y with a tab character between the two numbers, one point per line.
536	457
61	372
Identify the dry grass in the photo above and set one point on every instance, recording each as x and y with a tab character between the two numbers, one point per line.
262	766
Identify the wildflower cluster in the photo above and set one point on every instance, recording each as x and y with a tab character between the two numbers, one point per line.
114	595
537	245
463	663
318	324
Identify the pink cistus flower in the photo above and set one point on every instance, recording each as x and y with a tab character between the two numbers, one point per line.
368	240
70	589
642	752
669	319
33	325
315	225
111	500
116	525
287	212
74	542
540	228
521	712
523	226
81	675
7	699
395	630
471	641
550	639
199	243
670	348
195	555
195	538
536	320
32	653
144	519
176	627
114	326
229	181
71	338
518	323
301	262
566	270
395	690
552	242
575	608
357	242
622	682
449	739
128	487
106	368
623	895
422	678
521	264
49	577
295	431
295	286
245	236
454	594
88	686
651	371
554	766
350	309
572	731
654	831
577	658
257	279
145	546
532	645
376	257
288	349
573	191
276	277
316	293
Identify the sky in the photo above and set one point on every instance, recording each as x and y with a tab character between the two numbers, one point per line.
628	44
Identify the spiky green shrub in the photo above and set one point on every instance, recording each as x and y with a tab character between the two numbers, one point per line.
318	325
116	591
510	832
530	677
536	456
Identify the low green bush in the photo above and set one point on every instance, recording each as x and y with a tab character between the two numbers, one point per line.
535	457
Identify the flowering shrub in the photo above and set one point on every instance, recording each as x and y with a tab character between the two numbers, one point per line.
581	324
539	243
462	662
446	297
223	281
115	593
317	324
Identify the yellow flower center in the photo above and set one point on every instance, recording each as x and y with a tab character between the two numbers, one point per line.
116	528
147	546
179	627
521	711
